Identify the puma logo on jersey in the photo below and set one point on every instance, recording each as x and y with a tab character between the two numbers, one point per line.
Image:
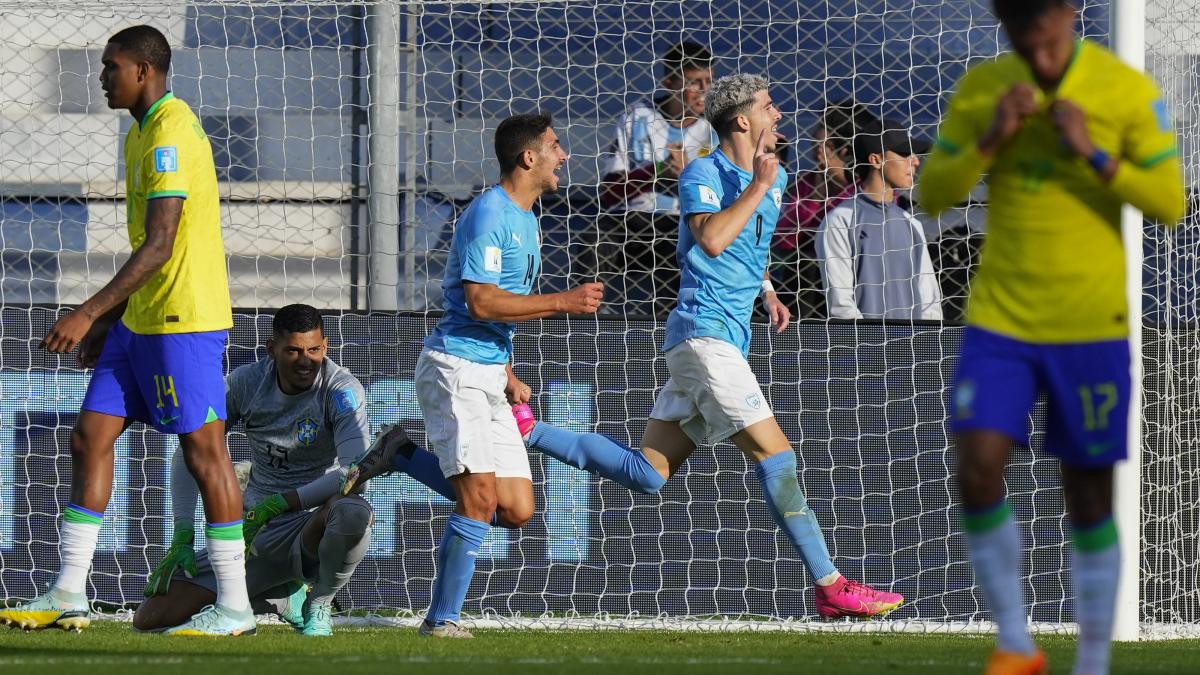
516	238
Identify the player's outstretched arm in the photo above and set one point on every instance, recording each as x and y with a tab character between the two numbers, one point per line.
488	302
714	232
162	223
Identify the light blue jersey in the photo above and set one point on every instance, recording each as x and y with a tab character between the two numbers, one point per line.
716	295
497	243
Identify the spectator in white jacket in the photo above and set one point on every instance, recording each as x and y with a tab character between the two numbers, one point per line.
874	259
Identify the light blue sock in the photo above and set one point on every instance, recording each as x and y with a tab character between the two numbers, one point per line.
456	565
777	474
995	550
597	454
424	468
1095	569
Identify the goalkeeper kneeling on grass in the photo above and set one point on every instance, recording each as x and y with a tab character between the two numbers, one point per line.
305	419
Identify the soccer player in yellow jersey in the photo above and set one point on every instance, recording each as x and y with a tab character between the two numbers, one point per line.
1066	134
155	335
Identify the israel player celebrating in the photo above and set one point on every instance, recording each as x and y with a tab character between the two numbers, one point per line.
464	382
305	419
729	202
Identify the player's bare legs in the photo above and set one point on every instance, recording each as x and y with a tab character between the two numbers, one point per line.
479	498
982	456
514	501
769	449
666	446
995	545
208	462
1088	493
482	494
92	447
762	440
66	603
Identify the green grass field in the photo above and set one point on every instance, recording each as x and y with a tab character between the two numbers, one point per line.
109	647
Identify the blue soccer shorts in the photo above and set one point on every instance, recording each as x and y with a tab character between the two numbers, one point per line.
1086	385
175	382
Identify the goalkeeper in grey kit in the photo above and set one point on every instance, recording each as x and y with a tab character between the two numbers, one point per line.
305	419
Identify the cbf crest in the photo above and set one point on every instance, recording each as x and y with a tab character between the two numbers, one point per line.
306	431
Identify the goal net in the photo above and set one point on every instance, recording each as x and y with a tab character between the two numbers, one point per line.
349	135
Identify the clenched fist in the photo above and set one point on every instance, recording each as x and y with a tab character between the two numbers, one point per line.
583	299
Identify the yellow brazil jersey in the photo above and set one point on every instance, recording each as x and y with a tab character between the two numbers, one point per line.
1052	268
168	155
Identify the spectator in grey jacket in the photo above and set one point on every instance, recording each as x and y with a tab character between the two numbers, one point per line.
874	260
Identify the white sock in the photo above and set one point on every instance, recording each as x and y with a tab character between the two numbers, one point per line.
76	546
229	565
996	556
1095	574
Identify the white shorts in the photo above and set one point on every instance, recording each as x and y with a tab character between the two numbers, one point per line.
468	421
711	391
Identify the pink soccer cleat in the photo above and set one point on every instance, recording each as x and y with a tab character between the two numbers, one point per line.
854	599
525	419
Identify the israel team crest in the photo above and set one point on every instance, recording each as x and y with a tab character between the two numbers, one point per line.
306	431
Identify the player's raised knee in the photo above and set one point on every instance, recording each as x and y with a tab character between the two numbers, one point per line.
514	517
476	499
352	514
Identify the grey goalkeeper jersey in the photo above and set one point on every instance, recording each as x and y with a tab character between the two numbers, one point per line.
296	440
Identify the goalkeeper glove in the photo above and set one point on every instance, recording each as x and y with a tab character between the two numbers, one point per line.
180	556
259	515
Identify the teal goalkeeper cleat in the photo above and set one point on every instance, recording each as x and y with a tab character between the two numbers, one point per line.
216	620
316	620
52	609
293	614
